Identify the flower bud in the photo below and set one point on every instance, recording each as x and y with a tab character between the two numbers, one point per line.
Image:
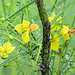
5	65
2	19
11	38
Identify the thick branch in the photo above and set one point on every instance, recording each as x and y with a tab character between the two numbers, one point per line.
46	37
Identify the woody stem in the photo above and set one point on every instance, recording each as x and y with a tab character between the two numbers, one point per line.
46	37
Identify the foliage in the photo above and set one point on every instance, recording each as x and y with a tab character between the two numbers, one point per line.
25	58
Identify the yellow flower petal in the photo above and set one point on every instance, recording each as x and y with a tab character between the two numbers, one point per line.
54	45
57	27
50	19
66	36
25	24
18	28
28	30
25	37
7	46
11	49
2	49
56	37
65	27
54	15
33	27
64	30
4	55
59	18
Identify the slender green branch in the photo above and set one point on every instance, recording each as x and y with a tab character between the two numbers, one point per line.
54	6
60	56
59	66
22	66
36	59
64	69
3	4
53	62
73	20
11	59
20	10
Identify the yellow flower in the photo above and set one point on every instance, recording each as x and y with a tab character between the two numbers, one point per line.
6	49
24	27
51	18
18	28
4	55
57	27
65	33
54	46
65	30
25	24
59	18
66	36
21	27
54	43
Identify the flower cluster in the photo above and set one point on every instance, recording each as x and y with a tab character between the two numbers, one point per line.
6	49
25	27
55	38
65	32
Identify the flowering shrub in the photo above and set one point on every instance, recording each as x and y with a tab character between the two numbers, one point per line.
6	49
23	28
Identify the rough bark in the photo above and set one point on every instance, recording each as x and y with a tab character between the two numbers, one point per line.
46	37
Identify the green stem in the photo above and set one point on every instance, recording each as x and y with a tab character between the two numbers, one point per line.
54	6
65	67
73	20
22	66
56	38
11	59
20	10
36	60
53	62
60	53
13	11
3	4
